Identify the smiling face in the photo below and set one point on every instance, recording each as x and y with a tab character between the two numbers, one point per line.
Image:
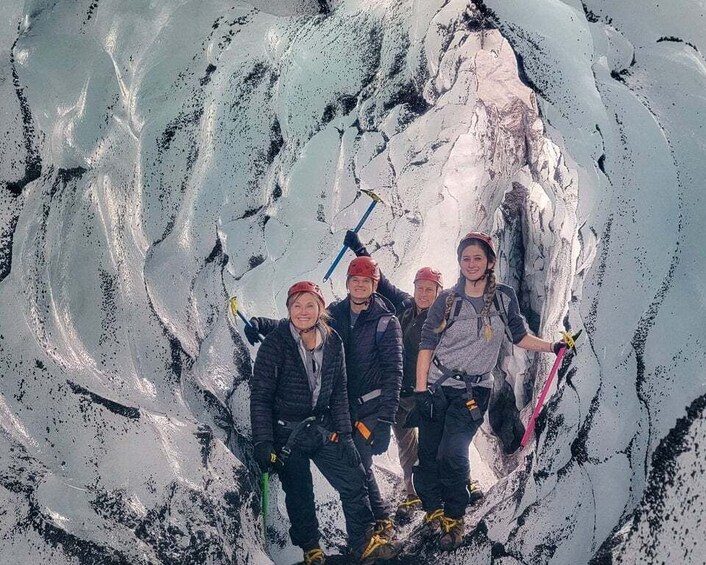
425	293
304	311
360	288
474	263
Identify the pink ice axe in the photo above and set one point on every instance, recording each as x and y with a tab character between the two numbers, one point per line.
569	344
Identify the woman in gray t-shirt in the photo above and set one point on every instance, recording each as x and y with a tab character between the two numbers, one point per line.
460	344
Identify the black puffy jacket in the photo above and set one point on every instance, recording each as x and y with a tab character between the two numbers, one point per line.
371	363
280	386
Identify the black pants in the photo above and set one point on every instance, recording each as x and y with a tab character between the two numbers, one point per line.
441	478
350	482
380	509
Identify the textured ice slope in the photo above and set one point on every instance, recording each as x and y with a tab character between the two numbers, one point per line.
158	159
623	84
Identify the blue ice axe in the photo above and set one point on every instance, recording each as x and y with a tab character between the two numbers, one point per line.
342	252
233	304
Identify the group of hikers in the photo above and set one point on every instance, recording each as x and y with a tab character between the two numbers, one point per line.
330	385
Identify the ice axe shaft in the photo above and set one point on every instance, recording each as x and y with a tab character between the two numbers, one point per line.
542	396
240	315
365	216
545	390
265	501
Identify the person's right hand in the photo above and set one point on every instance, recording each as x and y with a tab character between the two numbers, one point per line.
265	455
352	241
252	332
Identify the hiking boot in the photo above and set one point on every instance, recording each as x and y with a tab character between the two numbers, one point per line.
431	524
407	508
452	534
315	556
385	528
377	549
476	492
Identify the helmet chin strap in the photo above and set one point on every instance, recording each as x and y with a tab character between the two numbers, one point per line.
366	301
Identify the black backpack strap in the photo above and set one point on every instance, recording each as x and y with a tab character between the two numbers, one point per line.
500	307
407	316
381	328
458	304
454	303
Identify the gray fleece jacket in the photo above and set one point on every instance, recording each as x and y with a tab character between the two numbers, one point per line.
462	346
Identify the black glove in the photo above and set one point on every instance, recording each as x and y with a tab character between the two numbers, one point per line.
265	455
557	345
348	451
424	403
352	241
252	332
380	440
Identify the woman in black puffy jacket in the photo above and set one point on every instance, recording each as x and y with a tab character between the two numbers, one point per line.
299	413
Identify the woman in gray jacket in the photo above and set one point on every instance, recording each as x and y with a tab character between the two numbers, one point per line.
460	344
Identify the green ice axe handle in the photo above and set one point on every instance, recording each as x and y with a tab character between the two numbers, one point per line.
265	500
342	252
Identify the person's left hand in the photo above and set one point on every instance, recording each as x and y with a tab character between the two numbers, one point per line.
380	440
567	341
252	332
352	241
265	455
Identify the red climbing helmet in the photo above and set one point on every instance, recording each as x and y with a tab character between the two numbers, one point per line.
364	267
430	274
473	236
306	286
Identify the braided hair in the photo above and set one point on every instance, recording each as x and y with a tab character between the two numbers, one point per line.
450	298
488	296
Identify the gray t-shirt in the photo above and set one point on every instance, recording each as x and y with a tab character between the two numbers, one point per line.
354	318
